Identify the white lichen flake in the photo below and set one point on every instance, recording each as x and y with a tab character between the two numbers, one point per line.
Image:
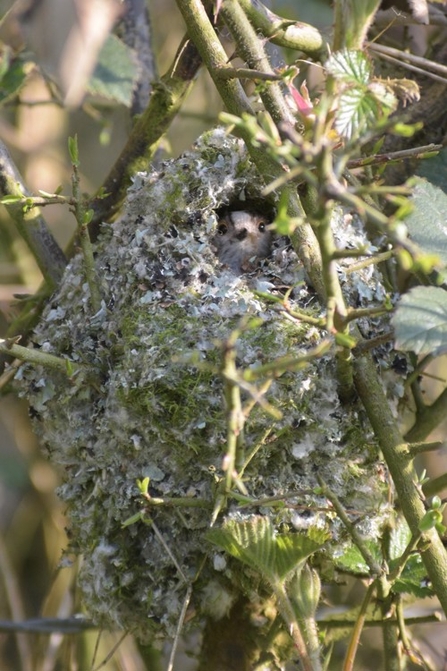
149	402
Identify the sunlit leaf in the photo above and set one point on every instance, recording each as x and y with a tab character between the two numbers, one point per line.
350	66
420	321
427	223
255	543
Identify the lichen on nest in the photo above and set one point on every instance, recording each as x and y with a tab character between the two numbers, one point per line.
149	402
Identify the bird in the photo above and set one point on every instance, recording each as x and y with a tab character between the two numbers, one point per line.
241	237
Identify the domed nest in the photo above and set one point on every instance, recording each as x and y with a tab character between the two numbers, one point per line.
149	401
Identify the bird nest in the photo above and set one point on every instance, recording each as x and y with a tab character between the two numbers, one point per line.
149	401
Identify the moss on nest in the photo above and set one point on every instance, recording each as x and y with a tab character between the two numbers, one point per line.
151	404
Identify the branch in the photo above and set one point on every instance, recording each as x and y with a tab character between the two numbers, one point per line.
166	99
30	224
428	417
402	471
250	48
411	61
283	32
137	34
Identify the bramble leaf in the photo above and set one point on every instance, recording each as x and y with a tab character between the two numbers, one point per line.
420	321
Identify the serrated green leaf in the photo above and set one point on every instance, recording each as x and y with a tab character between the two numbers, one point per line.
291	550
420	321
115	74
254	543
408	586
349	66
251	542
413	578
358	108
427	223
351	560
400	536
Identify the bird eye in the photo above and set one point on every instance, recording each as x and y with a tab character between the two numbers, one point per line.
222	229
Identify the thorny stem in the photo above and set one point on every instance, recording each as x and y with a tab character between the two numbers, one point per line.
286	363
136	32
333	623
365	263
248	73
180	624
320	212
177	502
403	635
288	615
250	48
234	457
402	471
411	58
413	68
421	448
427	151
150	522
360	313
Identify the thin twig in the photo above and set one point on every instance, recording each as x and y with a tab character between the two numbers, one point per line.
411	58
178	632
413	68
426	151
30	224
